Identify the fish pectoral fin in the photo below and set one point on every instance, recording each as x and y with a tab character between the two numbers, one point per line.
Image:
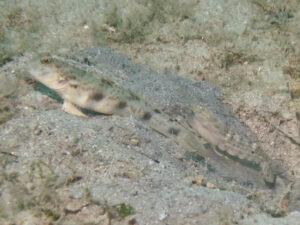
72	109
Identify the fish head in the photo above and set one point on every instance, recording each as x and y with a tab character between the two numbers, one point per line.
48	75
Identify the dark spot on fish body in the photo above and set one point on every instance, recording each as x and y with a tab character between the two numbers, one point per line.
122	105
174	131
157	111
208	146
87	61
146	116
75	86
270	180
46	60
96	96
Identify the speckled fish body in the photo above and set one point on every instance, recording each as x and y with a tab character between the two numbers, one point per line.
199	130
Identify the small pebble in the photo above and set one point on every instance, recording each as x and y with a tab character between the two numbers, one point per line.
210	185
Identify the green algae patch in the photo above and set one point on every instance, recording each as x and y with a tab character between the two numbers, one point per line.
120	211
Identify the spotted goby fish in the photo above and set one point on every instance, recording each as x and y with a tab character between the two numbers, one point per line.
99	93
